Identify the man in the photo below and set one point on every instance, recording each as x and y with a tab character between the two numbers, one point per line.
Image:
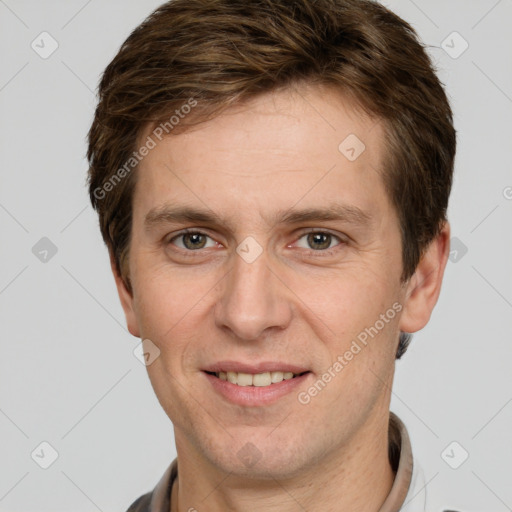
272	180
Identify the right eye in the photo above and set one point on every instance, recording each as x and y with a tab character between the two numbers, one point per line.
191	240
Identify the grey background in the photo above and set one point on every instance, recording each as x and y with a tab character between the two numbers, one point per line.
68	375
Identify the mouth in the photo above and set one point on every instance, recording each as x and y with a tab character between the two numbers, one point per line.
254	387
256	379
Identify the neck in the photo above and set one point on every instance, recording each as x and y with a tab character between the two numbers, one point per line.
356	477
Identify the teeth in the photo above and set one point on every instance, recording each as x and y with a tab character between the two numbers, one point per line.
244	379
262	379
259	379
276	377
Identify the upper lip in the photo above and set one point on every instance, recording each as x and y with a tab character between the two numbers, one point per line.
262	367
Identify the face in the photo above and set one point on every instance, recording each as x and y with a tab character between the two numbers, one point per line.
261	246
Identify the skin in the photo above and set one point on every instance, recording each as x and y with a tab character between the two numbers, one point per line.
293	303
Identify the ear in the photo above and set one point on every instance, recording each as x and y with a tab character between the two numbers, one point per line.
126	298
423	288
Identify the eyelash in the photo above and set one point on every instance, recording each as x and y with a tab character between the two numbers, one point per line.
319	253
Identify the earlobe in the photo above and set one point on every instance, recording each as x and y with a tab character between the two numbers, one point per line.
127	301
424	286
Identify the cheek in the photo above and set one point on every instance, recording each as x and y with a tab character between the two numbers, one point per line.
363	315
171	311
167	302
348	302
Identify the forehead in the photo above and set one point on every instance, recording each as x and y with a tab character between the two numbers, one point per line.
309	145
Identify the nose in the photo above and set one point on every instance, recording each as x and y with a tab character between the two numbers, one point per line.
253	300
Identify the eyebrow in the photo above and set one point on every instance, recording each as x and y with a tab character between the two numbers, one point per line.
168	214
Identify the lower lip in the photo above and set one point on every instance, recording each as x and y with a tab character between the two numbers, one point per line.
255	395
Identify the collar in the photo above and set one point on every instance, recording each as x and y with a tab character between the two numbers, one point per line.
400	455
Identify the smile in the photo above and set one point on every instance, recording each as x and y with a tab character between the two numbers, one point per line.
256	389
257	379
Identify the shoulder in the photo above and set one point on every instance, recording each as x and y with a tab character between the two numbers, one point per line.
142	504
159	499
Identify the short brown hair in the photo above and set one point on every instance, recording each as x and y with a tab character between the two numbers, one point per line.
219	52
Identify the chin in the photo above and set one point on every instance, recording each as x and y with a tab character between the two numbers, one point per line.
262	458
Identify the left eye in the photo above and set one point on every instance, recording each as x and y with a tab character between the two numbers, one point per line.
318	240
192	241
